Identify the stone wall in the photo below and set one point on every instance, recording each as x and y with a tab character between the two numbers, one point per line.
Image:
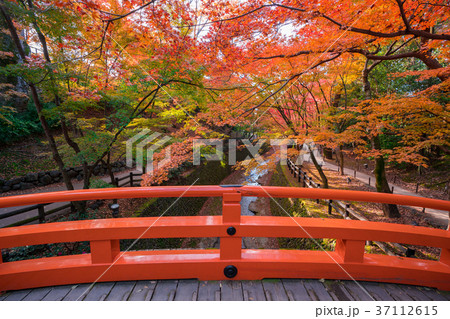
32	180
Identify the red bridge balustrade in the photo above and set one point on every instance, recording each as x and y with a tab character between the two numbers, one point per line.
107	263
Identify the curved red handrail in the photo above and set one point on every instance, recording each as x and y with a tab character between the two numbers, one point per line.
106	262
218	191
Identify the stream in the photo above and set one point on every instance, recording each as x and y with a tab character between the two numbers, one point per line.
252	180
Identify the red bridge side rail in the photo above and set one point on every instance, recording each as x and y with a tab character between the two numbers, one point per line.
107	263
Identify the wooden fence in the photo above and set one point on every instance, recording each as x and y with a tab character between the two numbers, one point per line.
346	211
42	213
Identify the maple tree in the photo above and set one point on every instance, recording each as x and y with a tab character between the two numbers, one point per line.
347	74
323	37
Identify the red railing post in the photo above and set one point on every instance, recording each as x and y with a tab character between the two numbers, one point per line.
231	242
104	251
350	250
445	256
445	252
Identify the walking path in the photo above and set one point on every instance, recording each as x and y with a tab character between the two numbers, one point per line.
52	188
439	217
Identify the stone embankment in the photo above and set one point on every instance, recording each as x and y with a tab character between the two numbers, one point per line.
39	179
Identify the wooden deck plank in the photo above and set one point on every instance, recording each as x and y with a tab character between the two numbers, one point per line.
231	290
187	290
433	294
58	293
17	295
100	291
397	293
338	291
274	290
253	290
377	291
37	294
209	290
143	291
317	290
271	289
78	292
121	291
346	290
165	290
295	290
357	291
414	293
445	294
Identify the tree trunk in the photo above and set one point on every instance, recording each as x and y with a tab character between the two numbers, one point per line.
341	160
381	183
110	172
80	207
67	137
366	83
319	168
35	96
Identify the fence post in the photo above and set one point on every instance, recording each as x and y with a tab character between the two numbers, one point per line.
41	211
330	208
347	206
392	189
318	186
131	179
417	187
117	181
369	181
354	174
231	241
410	252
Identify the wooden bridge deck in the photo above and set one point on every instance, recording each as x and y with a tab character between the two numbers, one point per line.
192	290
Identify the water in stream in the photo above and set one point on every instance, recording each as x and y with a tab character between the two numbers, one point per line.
252	180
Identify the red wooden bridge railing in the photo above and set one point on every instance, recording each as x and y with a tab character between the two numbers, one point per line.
107	263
